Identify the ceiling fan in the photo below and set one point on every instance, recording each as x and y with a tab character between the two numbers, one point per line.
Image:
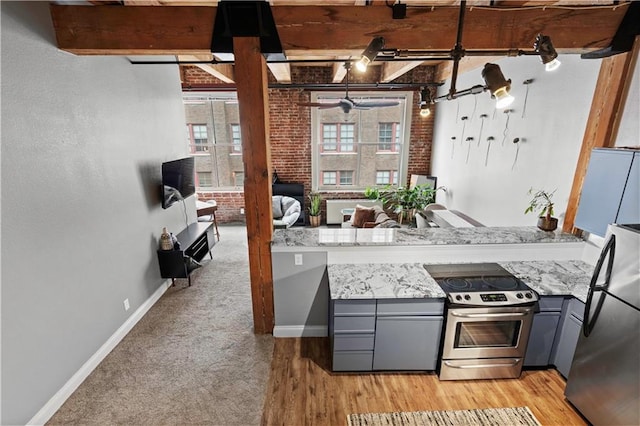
346	103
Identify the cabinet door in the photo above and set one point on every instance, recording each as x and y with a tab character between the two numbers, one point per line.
602	189
630	205
407	342
566	345
543	332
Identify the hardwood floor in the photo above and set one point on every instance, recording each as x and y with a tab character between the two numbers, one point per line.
303	391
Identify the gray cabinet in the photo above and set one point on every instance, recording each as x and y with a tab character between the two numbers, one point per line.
543	332
390	334
568	334
610	192
352	331
407	334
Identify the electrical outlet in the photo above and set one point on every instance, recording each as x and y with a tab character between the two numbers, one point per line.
241	210
297	259
126	304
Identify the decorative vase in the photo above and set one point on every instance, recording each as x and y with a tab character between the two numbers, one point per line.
314	221
166	243
547	223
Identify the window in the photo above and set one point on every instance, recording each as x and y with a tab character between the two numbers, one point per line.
338	178
337	137
236	140
214	139
198	140
238	179
386	177
346	147
204	179
388	136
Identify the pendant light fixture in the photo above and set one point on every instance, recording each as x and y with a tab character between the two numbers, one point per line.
370	53
497	85
547	52
425	102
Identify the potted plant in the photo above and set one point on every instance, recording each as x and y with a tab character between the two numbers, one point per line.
402	200
541	202
315	202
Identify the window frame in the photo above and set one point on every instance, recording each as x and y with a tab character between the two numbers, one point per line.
395	136
193	144
316	133
339	145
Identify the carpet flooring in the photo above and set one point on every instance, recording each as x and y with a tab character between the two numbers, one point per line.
484	417
192	359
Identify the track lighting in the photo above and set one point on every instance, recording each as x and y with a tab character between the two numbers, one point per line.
370	53
547	52
497	85
425	102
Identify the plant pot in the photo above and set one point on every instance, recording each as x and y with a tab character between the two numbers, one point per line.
549	224
314	221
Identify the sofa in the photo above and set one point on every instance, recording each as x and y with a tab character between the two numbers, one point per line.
370	217
286	211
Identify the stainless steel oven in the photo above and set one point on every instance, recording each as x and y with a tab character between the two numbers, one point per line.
489	317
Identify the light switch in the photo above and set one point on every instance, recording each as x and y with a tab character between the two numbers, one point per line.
297	259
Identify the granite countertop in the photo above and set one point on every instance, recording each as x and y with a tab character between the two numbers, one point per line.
319	237
411	280
382	281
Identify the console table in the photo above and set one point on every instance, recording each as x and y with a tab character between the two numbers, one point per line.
195	242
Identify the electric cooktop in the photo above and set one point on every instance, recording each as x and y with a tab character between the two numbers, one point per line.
481	284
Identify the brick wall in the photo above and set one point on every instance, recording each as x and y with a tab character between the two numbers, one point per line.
290	134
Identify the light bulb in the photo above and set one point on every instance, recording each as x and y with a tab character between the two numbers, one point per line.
361	65
553	65
503	98
425	112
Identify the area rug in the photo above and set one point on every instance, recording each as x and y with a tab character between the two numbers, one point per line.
485	417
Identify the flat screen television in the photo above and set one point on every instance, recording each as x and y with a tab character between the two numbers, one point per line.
178	180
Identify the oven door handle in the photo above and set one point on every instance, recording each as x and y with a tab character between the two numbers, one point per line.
514	361
497	315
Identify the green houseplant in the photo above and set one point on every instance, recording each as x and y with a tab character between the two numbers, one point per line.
315	203
541	203
402	200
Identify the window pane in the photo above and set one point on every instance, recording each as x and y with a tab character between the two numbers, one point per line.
384	136
238	179
382	177
346	177
212	140
329	178
329	137
346	137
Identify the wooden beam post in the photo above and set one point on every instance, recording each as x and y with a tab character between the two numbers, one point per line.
608	101
251	81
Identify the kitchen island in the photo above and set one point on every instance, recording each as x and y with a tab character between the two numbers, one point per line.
303	258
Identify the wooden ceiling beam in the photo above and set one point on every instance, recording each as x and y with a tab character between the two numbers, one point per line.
130	30
466	64
222	72
393	70
281	71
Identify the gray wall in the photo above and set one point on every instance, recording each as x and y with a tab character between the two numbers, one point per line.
82	143
550	133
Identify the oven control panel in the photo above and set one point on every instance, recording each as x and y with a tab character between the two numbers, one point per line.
493	298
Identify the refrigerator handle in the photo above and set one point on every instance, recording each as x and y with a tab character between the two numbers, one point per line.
609	249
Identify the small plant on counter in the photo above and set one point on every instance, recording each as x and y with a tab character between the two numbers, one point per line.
402	200
541	202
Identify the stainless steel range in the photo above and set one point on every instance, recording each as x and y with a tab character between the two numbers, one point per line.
489	316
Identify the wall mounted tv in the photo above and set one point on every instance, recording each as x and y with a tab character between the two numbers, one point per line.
178	181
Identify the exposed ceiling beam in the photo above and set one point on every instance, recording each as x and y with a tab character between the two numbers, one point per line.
339	71
222	72
130	30
282	72
468	63
393	70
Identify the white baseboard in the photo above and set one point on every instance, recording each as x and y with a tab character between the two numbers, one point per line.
300	331
54	404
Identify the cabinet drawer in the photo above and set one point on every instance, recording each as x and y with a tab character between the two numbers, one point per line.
352	360
353	342
411	307
354	307
354	324
550	303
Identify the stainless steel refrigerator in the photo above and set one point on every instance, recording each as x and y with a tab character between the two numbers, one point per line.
604	380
